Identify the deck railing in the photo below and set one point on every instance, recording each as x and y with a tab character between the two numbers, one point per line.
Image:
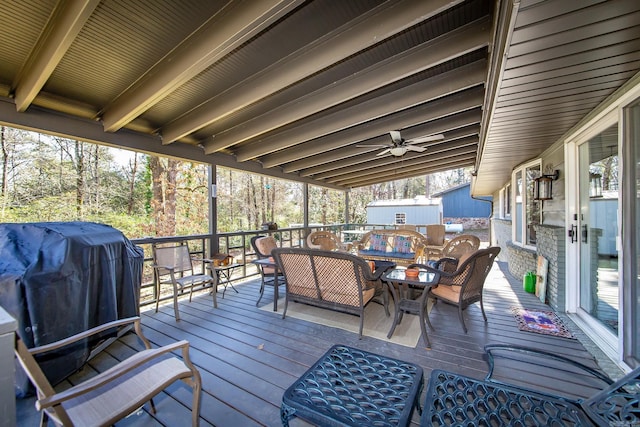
237	244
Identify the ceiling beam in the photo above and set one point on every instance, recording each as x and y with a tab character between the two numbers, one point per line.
466	100
427	55
424	91
65	22
220	35
381	23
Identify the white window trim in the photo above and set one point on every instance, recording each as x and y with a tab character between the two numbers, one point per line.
523	223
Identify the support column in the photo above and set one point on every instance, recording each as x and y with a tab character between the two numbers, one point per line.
213	210
346	207
305	208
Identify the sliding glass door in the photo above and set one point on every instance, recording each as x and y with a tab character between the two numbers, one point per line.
599	291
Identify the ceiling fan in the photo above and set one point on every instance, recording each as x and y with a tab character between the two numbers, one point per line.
399	146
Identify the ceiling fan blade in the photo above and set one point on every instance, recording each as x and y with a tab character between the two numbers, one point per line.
417	148
437	137
383	152
395	136
373	146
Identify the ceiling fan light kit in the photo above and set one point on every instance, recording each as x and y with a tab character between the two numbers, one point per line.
400	146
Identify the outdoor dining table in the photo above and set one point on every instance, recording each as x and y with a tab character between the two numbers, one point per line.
402	297
270	262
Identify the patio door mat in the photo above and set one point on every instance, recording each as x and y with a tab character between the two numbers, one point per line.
540	322
376	323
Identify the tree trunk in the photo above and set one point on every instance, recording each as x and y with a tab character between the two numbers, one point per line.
5	160
80	190
263	201
323	206
157	194
170	196
132	184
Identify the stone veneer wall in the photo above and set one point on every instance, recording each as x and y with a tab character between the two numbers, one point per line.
501	235
550	244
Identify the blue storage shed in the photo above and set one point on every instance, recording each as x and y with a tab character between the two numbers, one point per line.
457	203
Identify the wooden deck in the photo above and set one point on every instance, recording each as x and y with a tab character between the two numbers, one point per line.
248	357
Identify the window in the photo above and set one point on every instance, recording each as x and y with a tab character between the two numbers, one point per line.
505	201
401	218
528	212
533	213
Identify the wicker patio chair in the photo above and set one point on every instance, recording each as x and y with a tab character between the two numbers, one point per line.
324	240
173	265
435	240
456	247
463	286
327	241
262	246
113	394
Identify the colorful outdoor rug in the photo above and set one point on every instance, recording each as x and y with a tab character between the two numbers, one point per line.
541	322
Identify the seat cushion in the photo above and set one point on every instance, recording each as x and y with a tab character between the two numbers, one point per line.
266	244
402	244
449	293
378	242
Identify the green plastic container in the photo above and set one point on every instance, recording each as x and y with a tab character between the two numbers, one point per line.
529	282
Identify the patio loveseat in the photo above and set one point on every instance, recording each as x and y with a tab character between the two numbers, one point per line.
333	280
403	247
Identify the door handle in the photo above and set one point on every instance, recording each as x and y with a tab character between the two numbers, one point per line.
585	234
573	233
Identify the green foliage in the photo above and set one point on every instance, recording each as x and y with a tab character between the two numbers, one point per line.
55	179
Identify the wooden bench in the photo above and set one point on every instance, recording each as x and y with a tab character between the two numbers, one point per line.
403	247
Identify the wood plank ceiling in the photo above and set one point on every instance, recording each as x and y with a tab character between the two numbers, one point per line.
310	89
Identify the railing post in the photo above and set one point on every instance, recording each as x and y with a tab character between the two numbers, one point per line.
8	327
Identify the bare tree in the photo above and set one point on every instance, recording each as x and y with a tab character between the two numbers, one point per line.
163	200
5	160
79	167
133	164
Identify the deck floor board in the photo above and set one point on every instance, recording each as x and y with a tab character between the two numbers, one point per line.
247	357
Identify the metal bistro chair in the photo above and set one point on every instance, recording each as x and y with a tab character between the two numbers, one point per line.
173	265
115	393
262	246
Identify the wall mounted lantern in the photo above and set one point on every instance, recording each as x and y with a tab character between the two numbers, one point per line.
542	186
595	185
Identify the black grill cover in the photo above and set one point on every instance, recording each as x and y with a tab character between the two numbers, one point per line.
61	278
